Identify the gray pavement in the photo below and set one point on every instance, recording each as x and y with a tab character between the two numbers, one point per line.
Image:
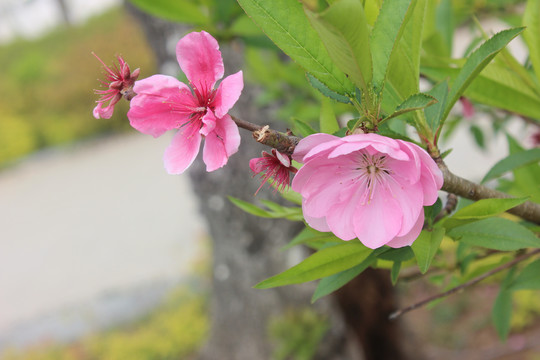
94	219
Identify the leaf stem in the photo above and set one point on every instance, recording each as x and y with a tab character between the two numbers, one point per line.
471	282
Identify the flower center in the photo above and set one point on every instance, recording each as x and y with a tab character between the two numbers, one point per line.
373	172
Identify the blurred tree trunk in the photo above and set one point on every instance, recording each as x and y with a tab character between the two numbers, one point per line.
246	250
64	11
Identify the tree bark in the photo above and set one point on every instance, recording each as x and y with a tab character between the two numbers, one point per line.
246	249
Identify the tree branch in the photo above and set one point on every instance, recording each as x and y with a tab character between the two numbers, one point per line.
471	282
456	185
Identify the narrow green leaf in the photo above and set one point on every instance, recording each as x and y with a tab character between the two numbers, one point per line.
323	263
476	62
309	235
303	128
292	196
502	313
328	121
531	19
495	86
249	207
343	29
331	283
482	209
400	254
394	272
285	23
404	66
385	36
495	233
179	11
478	135
444	22
434	113
426	246
512	162
528	278
414	102
323	89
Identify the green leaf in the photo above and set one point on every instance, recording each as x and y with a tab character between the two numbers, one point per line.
495	86
343	29
444	22
394	272
531	19
528	278
249	207
414	102
482	209
476	62
285	23
323	263
426	246
292	196
179	11
323	89
309	236
502	313
385	36
513	161
495	233
328	121
303	128
400	254
331	283
434	113
478	135
404	66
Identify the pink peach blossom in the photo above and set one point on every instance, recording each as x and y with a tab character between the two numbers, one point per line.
118	80
366	186
196	110
275	166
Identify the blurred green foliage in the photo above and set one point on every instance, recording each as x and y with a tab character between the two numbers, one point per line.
297	334
173	331
46	92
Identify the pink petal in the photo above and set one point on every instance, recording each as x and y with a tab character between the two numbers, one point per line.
154	110
227	94
379	221
183	149
340	218
209	121
318	224
257	165
431	176
101	112
221	143
411	236
283	159
200	59
410	198
308	143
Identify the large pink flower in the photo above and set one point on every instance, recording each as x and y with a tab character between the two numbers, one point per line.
366	186
163	103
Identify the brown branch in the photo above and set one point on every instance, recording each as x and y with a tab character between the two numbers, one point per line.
282	142
471	282
456	185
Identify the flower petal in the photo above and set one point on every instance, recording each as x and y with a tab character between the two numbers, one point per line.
379	221
318	224
183	149
101	112
200	59
410	198
227	94
308	143
153	110
221	143
410	237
